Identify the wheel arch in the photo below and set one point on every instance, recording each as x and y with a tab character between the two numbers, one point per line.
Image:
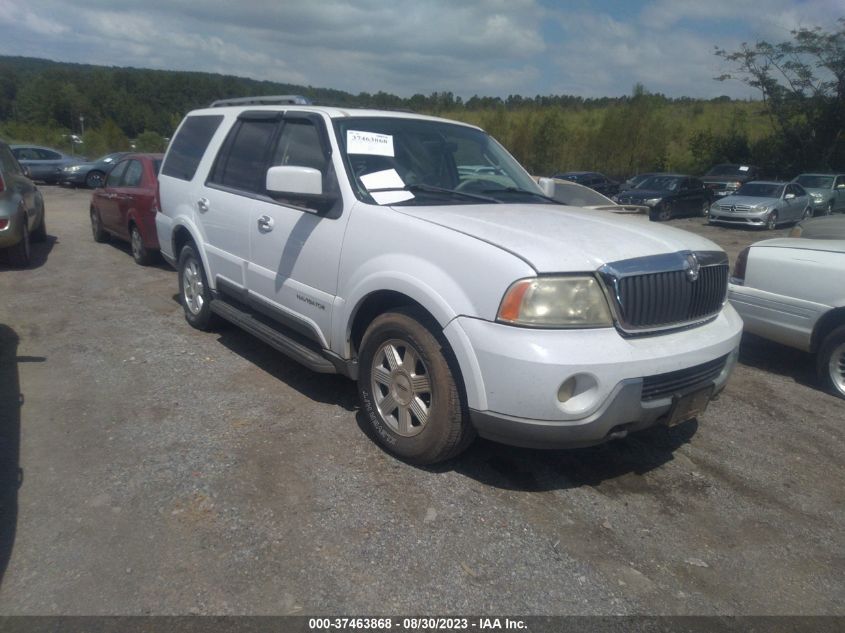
825	325
183	234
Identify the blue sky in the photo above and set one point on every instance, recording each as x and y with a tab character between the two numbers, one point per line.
486	47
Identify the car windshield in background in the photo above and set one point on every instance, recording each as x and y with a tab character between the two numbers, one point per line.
660	183
815	182
760	190
728	170
393	160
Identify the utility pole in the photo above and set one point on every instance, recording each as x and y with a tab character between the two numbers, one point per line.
81	125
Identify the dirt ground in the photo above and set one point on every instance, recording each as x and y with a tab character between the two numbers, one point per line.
146	467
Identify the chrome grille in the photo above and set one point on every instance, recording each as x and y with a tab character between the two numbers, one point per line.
661	292
665	385
731	208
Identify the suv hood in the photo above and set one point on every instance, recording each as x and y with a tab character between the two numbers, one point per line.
555	238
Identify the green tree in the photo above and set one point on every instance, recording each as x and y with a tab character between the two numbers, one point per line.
802	82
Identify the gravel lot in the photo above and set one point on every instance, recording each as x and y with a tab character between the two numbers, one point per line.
152	468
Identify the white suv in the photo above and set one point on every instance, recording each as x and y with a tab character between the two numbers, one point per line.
416	256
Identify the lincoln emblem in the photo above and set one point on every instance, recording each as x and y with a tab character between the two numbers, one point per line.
694	267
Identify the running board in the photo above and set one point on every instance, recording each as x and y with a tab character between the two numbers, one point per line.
309	356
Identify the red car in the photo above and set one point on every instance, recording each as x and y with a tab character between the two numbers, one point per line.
125	206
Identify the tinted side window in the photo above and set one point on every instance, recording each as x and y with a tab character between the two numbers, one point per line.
190	145
695	183
132	175
113	179
300	145
241	163
45	154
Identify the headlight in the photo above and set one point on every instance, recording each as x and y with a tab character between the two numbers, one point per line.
762	207
816	195
576	301
653	201
73	169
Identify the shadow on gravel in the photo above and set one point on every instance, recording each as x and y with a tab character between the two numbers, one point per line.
38	257
11	475
326	388
541	470
773	357
124	247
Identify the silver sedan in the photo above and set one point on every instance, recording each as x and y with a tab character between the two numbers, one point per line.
764	204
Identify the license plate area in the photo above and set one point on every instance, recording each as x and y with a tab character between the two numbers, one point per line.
688	406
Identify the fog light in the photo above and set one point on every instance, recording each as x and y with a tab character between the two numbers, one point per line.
567	389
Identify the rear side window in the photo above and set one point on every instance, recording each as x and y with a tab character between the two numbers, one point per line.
7	162
189	146
241	163
113	179
132	175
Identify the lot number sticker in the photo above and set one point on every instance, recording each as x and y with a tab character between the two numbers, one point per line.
369	143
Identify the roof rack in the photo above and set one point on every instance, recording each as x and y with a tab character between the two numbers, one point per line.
265	100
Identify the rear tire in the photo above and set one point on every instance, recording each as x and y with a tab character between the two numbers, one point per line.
828	210
20	255
408	390
97	229
194	293
40	234
831	362
140	253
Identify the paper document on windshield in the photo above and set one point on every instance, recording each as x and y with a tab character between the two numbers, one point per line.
371	143
386	179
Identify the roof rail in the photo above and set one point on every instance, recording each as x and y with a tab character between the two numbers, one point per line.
265	100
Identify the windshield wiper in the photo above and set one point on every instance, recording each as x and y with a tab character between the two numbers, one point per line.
423	188
520	191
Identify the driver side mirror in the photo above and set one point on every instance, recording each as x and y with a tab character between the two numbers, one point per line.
548	186
302	186
789	196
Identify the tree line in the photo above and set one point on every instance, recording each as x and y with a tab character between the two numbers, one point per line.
796	125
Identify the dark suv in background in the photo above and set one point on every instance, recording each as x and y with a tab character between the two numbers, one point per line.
723	180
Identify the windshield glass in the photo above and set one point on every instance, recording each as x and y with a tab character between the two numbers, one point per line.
815	182
392	160
760	190
660	183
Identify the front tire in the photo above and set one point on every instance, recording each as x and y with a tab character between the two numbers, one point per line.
140	253
194	292
828	210
831	362
808	213
408	390
95	179
772	221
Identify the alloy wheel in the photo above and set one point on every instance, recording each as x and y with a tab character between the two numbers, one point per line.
836	368
192	286
401	386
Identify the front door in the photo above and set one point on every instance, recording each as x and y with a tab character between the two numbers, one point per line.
295	251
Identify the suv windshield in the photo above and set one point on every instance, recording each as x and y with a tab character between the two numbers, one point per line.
760	190
815	182
393	160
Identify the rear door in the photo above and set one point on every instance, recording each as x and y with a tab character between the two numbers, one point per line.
127	194
105	199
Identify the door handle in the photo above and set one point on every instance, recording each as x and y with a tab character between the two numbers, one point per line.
203	204
265	224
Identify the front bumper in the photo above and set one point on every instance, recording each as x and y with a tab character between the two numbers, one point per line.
747	218
73	177
522	371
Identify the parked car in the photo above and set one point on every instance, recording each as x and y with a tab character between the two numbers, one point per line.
634	181
725	179
574	195
824	228
591	179
125	207
22	217
352	241
91	174
44	163
790	291
827	191
763	204
668	196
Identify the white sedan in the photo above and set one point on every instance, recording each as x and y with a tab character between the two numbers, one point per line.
790	290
